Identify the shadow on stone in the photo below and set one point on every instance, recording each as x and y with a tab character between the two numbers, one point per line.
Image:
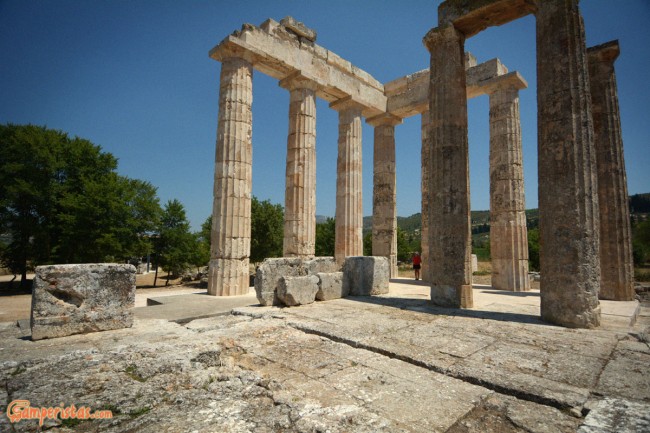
509	293
421	306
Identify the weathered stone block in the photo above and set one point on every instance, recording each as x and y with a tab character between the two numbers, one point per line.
322	265
364	276
330	286
298	28
77	299
293	291
269	274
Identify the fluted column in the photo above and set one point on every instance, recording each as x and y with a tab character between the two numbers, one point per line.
448	171
349	197
508	233
384	194
616	264
568	197
231	212
300	190
425	272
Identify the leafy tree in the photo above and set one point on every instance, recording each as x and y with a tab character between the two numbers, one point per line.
641	242
176	245
62	201
404	251
202	253
325	238
640	203
367	244
267	230
26	190
533	249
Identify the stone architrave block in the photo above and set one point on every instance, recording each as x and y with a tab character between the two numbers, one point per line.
269	274
330	286
366	275
294	291
77	299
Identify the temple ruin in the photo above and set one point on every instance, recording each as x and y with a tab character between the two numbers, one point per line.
585	248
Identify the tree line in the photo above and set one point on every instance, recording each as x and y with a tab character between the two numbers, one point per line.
62	201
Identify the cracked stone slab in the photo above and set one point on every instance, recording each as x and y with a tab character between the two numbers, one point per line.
617	415
627	374
499	413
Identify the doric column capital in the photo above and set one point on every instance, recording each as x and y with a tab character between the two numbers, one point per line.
439	35
384	119
298	81
512	81
235	59
604	54
347	103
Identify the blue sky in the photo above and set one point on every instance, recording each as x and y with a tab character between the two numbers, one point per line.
134	77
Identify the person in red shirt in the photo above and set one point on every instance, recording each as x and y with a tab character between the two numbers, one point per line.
417	264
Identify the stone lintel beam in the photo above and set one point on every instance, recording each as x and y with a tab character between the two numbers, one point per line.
473	16
409	95
278	51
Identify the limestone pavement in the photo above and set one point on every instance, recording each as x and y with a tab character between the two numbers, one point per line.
390	363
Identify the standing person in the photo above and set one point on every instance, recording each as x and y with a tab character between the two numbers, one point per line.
417	264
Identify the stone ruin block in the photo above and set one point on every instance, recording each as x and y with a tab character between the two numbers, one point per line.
330	286
293	291
77	299
474	263
270	273
365	276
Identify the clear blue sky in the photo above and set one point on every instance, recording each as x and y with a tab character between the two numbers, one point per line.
134	77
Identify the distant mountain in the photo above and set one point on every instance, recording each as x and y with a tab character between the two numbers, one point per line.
321	219
639	204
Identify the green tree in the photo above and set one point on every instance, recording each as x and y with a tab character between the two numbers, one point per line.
533	249
403	247
202	254
367	244
62	201
325	238
641	242
27	189
175	245
267	230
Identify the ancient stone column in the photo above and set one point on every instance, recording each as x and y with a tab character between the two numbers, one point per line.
616	264
448	171
425	272
300	191
384	194
508	234
349	204
568	196
231	212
